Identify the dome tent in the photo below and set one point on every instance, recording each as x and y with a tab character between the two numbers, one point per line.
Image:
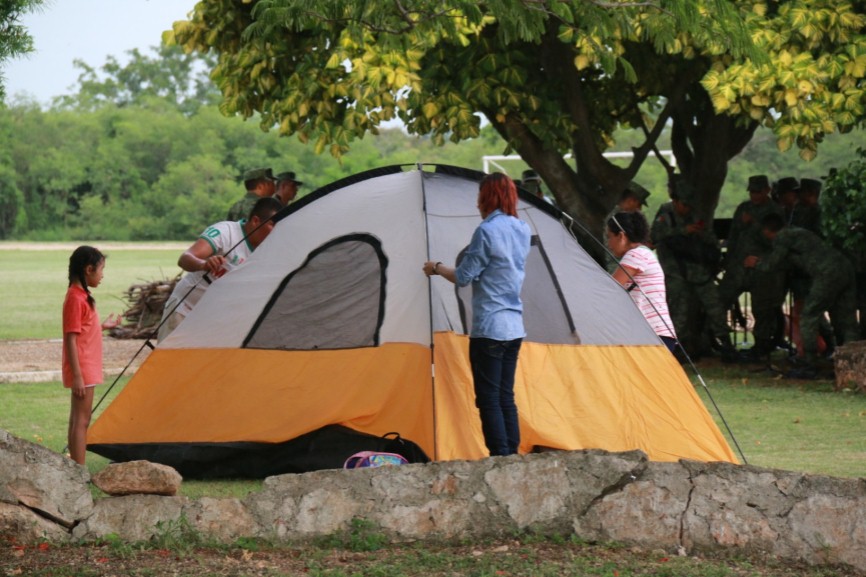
331	322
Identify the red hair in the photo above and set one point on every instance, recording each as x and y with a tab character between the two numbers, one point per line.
498	191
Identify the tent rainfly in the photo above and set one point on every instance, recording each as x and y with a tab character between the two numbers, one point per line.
331	332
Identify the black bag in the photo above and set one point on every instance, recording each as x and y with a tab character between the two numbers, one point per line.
330	446
412	452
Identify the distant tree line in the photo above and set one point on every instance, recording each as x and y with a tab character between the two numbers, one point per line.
142	151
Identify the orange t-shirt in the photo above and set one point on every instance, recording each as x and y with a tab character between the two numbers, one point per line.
79	317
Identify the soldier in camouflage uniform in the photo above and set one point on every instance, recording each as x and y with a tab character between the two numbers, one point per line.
767	288
633	198
788	197
287	187
531	182
808	213
260	183
688	252
832	283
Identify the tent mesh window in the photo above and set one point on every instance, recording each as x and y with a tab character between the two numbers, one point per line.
335	300
546	316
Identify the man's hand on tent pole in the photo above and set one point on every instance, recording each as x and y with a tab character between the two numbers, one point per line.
432	268
200	256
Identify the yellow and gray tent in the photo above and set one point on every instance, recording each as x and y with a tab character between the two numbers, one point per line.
332	324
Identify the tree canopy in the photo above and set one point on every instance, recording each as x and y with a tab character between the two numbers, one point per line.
332	70
14	39
139	152
551	77
814	83
169	75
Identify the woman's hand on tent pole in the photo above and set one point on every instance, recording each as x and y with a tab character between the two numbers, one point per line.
432	268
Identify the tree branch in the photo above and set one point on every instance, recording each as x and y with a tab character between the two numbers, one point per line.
404	14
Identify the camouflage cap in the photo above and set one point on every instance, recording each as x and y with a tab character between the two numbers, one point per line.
810	185
682	190
758	182
529	175
787	184
258	174
637	191
288	176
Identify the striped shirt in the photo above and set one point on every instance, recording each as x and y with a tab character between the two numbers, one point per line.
649	295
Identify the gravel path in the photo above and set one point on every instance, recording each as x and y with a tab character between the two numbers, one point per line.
33	361
102	245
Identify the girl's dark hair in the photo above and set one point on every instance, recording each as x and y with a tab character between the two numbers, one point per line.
83	257
633	224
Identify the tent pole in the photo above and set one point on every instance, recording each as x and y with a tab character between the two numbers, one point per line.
420	167
681	348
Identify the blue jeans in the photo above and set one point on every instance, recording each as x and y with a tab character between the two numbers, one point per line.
493	366
670	343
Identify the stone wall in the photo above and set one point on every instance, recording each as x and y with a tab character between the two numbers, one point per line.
597	496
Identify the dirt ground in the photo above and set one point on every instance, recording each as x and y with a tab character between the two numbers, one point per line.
44	355
537	557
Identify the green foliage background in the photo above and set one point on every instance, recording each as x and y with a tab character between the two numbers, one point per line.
844	206
142	152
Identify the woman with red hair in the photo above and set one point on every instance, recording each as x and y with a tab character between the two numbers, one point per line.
494	263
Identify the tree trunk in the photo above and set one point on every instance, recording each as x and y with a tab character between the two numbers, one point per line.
703	143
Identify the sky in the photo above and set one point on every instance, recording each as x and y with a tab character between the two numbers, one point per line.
89	30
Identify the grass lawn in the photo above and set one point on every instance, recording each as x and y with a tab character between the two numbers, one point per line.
39	412
795	425
34	283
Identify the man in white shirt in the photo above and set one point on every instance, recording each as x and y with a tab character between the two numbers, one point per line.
221	248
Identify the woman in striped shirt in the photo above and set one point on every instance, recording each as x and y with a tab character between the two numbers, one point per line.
640	273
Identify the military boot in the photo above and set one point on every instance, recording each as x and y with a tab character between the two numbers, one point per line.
726	349
804	368
759	352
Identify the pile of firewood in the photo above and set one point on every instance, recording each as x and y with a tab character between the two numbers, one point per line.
145	303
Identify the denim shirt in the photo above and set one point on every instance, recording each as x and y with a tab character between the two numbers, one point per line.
494	263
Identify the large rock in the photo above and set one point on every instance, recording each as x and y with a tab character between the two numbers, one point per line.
317	503
827	525
685	506
46	482
543	492
24	526
133	518
138	478
534	492
645	507
222	520
734	506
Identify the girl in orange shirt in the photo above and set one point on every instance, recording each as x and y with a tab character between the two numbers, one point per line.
82	343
